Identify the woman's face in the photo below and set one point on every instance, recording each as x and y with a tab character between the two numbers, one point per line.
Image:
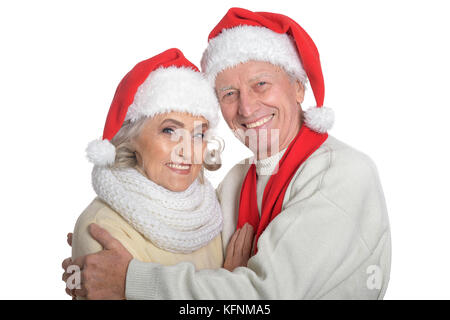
170	147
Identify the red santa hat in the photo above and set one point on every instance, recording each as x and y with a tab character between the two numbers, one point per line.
164	83
243	35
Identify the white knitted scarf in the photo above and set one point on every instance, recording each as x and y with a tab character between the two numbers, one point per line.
179	222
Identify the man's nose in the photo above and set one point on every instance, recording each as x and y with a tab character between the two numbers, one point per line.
247	104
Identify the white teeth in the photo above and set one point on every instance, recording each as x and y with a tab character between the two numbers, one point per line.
178	166
258	123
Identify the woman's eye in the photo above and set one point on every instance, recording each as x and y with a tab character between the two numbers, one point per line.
168	130
199	136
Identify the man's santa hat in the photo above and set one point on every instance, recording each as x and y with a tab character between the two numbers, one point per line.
243	35
164	83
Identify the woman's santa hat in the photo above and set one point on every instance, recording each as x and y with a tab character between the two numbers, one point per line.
165	83
243	35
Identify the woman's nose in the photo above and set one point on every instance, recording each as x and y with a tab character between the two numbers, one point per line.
184	152
181	147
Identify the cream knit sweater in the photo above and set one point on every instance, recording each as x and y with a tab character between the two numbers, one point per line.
209	256
331	240
264	169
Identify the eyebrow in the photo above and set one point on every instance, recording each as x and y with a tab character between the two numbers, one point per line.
204	125
227	88
263	74
181	124
178	123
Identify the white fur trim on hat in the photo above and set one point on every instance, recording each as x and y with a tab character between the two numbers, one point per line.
319	119
175	89
101	152
244	43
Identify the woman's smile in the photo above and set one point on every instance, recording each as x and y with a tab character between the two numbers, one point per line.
180	168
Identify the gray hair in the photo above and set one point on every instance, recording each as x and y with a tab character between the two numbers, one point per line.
123	141
294	78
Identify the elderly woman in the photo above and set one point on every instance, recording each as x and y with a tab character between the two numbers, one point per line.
148	173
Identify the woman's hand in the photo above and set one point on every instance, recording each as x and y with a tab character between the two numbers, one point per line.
239	248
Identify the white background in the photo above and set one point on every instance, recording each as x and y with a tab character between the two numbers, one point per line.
386	67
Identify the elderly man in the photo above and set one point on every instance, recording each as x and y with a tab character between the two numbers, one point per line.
316	204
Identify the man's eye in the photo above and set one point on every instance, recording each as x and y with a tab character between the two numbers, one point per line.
228	94
261	83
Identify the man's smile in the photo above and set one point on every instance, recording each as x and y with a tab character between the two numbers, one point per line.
259	122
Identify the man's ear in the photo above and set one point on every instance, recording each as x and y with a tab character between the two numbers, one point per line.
299	91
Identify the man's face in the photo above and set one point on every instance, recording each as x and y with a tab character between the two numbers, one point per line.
260	98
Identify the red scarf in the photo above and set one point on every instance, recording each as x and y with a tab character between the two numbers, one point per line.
303	145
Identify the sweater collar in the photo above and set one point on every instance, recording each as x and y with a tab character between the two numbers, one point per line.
267	166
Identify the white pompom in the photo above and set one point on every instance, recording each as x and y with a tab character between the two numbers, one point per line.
101	152
319	119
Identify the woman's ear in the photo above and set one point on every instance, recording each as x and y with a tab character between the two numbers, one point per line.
138	159
299	91
136	152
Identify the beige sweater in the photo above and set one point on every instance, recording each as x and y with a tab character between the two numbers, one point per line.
331	240
208	257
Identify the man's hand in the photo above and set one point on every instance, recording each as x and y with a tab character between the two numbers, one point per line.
65	264
239	248
103	274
